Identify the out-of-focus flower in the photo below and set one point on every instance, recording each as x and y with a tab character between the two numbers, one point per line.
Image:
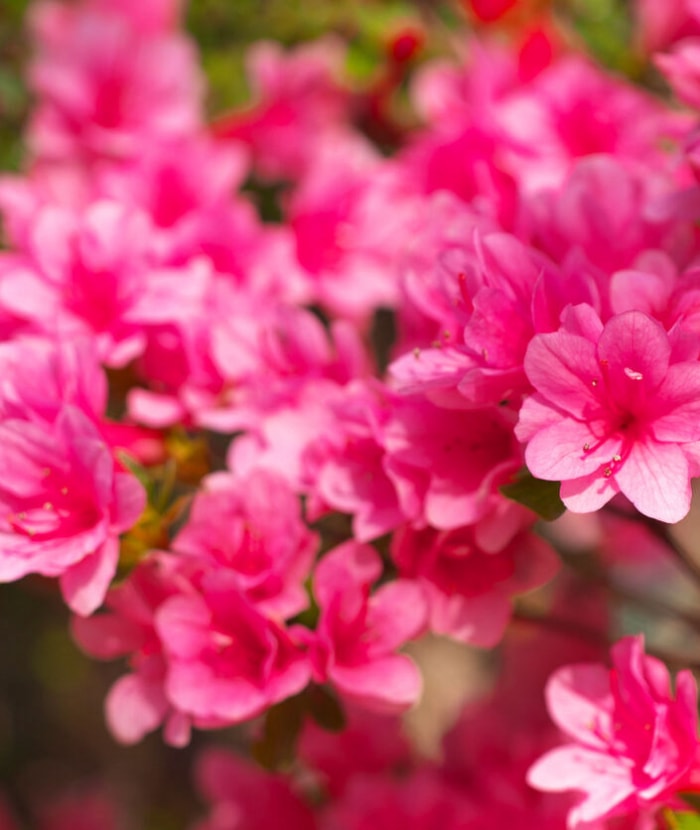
635	746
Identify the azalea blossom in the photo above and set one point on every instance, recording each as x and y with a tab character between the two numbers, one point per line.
634	744
615	411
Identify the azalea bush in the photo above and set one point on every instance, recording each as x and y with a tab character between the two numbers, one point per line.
358	371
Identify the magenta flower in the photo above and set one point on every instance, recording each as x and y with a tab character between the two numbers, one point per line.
468	589
63	506
226	661
242	795
357	636
614	412
252	528
106	85
634	746
136	703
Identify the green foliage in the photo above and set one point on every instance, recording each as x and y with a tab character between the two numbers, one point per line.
13	96
683	821
540	496
276	747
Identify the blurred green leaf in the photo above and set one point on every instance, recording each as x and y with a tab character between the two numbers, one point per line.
540	496
683	821
325	708
276	748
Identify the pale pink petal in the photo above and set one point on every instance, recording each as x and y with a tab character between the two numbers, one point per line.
183	624
655	478
578	700
634	342
134	707
589	493
390	684
570	449
426	369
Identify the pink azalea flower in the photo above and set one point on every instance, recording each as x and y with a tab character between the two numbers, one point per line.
299	101
357	635
612	211
469	590
187	187
421	801
137	704
41	375
251	526
613	412
343	462
95	274
681	66
469	164
106	86
634	746
661	24
150	18
226	661
370	744
447	464
351	214
501	292
63	506
242	795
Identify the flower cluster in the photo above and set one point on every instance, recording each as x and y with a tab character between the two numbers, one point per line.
202	443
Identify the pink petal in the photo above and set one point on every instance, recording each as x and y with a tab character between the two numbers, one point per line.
604	779
397	613
589	493
349	564
570	449
130	501
85	585
679	397
562	367
579	701
425	369
477	621
390	684
107	636
632	341
656	479
134	707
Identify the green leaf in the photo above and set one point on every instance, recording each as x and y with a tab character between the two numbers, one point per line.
683	821
692	800
325	709
276	748
540	496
